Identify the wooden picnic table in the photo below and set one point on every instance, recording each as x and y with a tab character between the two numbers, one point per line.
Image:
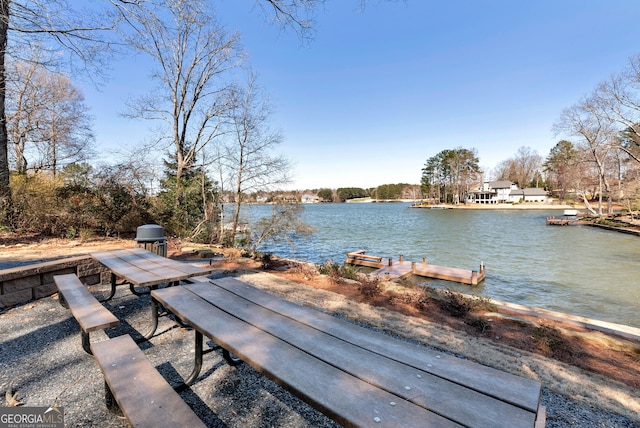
142	268
357	376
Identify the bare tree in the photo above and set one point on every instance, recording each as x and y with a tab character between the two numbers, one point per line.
618	101
192	53
595	135
46	118
53	25
521	168
283	223
249	159
24	101
66	126
528	164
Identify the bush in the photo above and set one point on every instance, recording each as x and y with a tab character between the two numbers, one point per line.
37	206
337	273
308	270
369	286
454	303
549	340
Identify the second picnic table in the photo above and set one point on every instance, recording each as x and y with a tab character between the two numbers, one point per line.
142	268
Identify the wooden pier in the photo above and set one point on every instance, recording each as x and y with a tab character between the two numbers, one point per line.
564	221
389	268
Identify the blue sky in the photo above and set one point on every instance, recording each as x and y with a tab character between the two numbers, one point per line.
377	92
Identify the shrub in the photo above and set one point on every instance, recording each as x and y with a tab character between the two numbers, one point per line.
309	270
549	340
454	303
369	286
337	272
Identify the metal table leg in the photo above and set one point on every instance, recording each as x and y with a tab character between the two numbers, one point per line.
113	288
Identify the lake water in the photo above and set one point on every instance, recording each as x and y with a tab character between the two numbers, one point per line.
578	270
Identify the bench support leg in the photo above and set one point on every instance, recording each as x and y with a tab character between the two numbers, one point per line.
229	359
139	293
86	345
110	401
63	301
154	319
113	288
197	366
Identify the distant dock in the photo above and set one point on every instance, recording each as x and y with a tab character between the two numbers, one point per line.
389	268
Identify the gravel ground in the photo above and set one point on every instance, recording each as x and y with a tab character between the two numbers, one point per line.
41	359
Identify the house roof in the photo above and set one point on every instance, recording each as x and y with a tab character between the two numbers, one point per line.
502	184
529	191
534	191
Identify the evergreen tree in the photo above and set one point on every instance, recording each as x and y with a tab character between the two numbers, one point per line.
195	214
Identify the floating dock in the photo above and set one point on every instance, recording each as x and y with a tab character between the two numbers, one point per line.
389	268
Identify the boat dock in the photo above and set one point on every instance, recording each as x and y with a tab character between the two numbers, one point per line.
389	268
565	221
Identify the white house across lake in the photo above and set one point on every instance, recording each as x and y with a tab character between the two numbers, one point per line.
505	192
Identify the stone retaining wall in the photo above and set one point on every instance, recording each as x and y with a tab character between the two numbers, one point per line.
23	284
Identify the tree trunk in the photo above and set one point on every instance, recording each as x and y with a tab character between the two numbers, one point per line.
6	204
587	204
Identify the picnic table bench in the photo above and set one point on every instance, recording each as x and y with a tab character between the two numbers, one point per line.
134	387
356	376
84	306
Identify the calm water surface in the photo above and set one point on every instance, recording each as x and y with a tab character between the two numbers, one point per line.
578	270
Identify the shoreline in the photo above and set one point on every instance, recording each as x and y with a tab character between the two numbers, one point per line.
521	206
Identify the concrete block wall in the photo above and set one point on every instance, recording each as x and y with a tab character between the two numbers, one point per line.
26	283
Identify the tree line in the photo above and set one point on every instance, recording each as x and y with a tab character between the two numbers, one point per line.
570	172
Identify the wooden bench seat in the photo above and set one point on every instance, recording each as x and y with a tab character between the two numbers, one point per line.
86	309
354	375
138	389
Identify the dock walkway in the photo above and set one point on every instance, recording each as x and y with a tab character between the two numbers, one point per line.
565	221
389	268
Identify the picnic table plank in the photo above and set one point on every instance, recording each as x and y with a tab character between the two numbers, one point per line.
143	395
343	397
504	386
422	388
